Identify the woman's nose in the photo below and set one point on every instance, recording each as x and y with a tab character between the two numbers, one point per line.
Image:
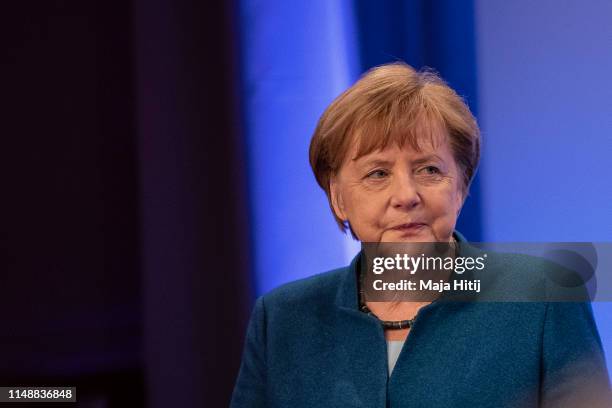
404	192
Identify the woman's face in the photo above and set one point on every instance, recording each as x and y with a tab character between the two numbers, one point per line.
400	194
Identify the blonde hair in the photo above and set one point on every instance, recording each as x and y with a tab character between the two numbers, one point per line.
393	103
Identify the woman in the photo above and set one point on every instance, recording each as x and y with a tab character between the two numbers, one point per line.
395	154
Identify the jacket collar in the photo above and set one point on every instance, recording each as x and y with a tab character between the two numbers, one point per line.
347	297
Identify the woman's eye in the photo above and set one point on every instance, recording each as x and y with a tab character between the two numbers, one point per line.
377	174
431	170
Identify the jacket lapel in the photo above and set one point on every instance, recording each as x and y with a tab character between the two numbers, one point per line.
361	345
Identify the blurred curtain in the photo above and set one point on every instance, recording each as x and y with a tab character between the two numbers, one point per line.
70	290
194	229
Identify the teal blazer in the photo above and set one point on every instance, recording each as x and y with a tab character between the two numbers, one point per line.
308	345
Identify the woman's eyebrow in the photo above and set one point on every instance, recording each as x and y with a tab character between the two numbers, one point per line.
377	162
374	163
427	158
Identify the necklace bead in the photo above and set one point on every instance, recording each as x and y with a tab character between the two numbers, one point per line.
386	324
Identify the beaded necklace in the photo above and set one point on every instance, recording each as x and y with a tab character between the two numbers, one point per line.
386	324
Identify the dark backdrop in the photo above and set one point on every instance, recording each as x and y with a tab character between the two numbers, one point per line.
123	207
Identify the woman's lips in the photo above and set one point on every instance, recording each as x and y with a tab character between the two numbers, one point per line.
409	228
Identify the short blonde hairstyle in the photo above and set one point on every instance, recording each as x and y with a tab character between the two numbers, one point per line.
393	103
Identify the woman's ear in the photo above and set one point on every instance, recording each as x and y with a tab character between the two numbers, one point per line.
336	198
